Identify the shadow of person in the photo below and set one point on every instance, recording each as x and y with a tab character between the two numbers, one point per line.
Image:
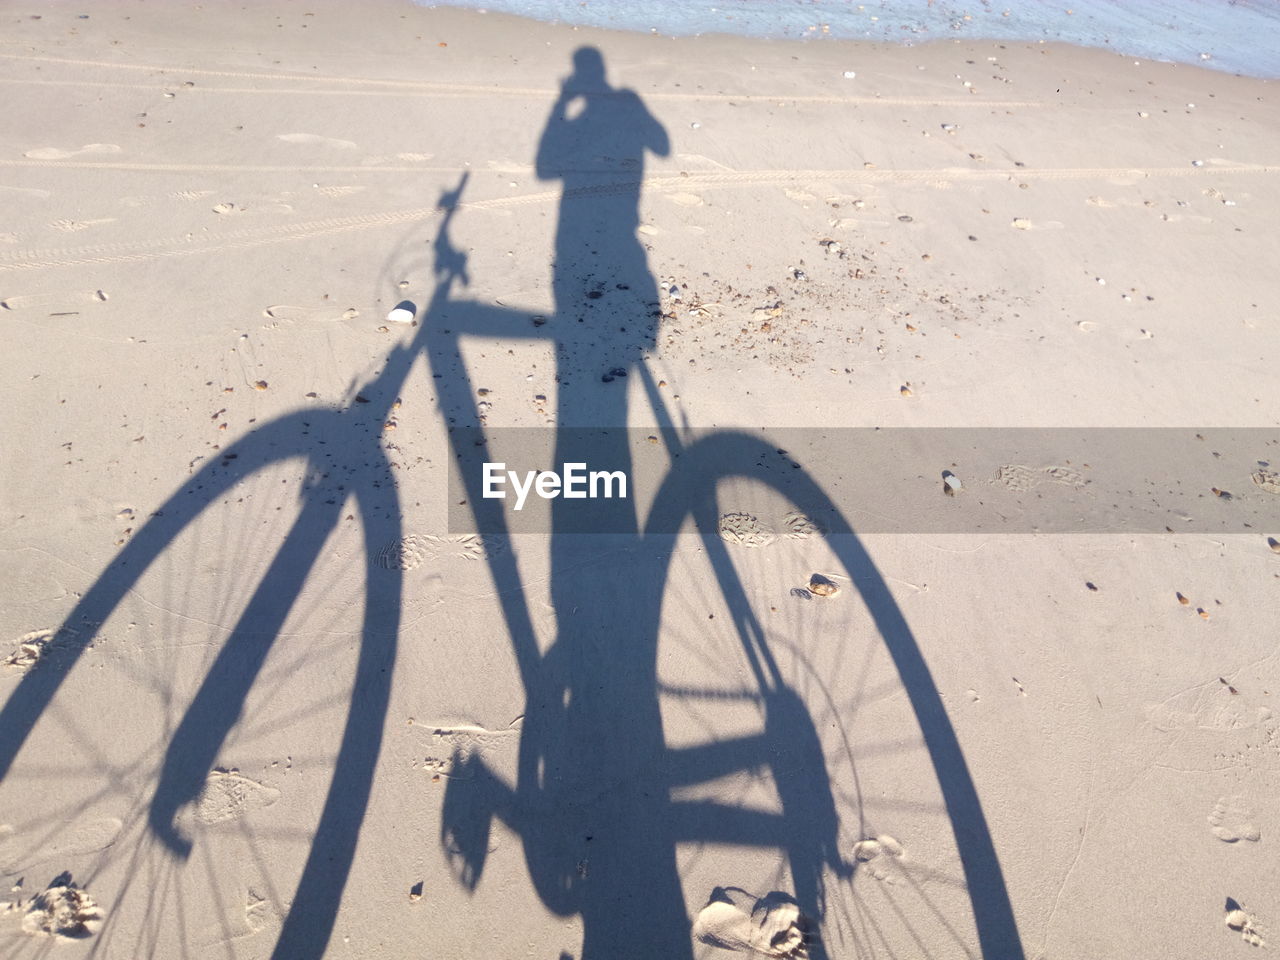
606	300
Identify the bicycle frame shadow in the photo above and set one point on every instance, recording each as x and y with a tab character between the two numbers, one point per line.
591	803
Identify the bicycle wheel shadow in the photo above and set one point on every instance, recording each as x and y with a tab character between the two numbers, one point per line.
593	799
341	469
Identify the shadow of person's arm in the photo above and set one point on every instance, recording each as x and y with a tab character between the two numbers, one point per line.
553	146
653	135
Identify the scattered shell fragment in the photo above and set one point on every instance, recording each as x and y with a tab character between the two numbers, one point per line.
1204	614
1237	919
1021	223
31	648
820	586
1221	494
1268	480
950	483
904	390
850	74
1182	600
950	127
63	912
260	385
1197	163
1274	544
400	315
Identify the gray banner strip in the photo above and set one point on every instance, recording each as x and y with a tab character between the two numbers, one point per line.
901	480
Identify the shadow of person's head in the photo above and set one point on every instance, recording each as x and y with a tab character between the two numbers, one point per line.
588	72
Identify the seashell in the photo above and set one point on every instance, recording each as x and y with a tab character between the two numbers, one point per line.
820	586
951	483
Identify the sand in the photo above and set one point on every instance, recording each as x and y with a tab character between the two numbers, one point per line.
217	446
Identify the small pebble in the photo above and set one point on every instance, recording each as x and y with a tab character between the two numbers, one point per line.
400	315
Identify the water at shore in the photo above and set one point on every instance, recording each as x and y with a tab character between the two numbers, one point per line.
1236	36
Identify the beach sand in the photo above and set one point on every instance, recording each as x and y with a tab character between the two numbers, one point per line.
995	744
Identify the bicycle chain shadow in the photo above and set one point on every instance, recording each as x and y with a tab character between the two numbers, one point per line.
592	802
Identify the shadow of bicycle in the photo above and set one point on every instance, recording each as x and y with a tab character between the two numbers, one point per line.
668	716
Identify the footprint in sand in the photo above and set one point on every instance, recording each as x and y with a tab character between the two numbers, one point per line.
413	551
74	226
228	795
746	530
797	526
1231	821
1017	477
62	912
879	856
408	553
57	153
30	301
70	840
314	139
687	199
289	313
340	191
258	914
771	926
374	161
